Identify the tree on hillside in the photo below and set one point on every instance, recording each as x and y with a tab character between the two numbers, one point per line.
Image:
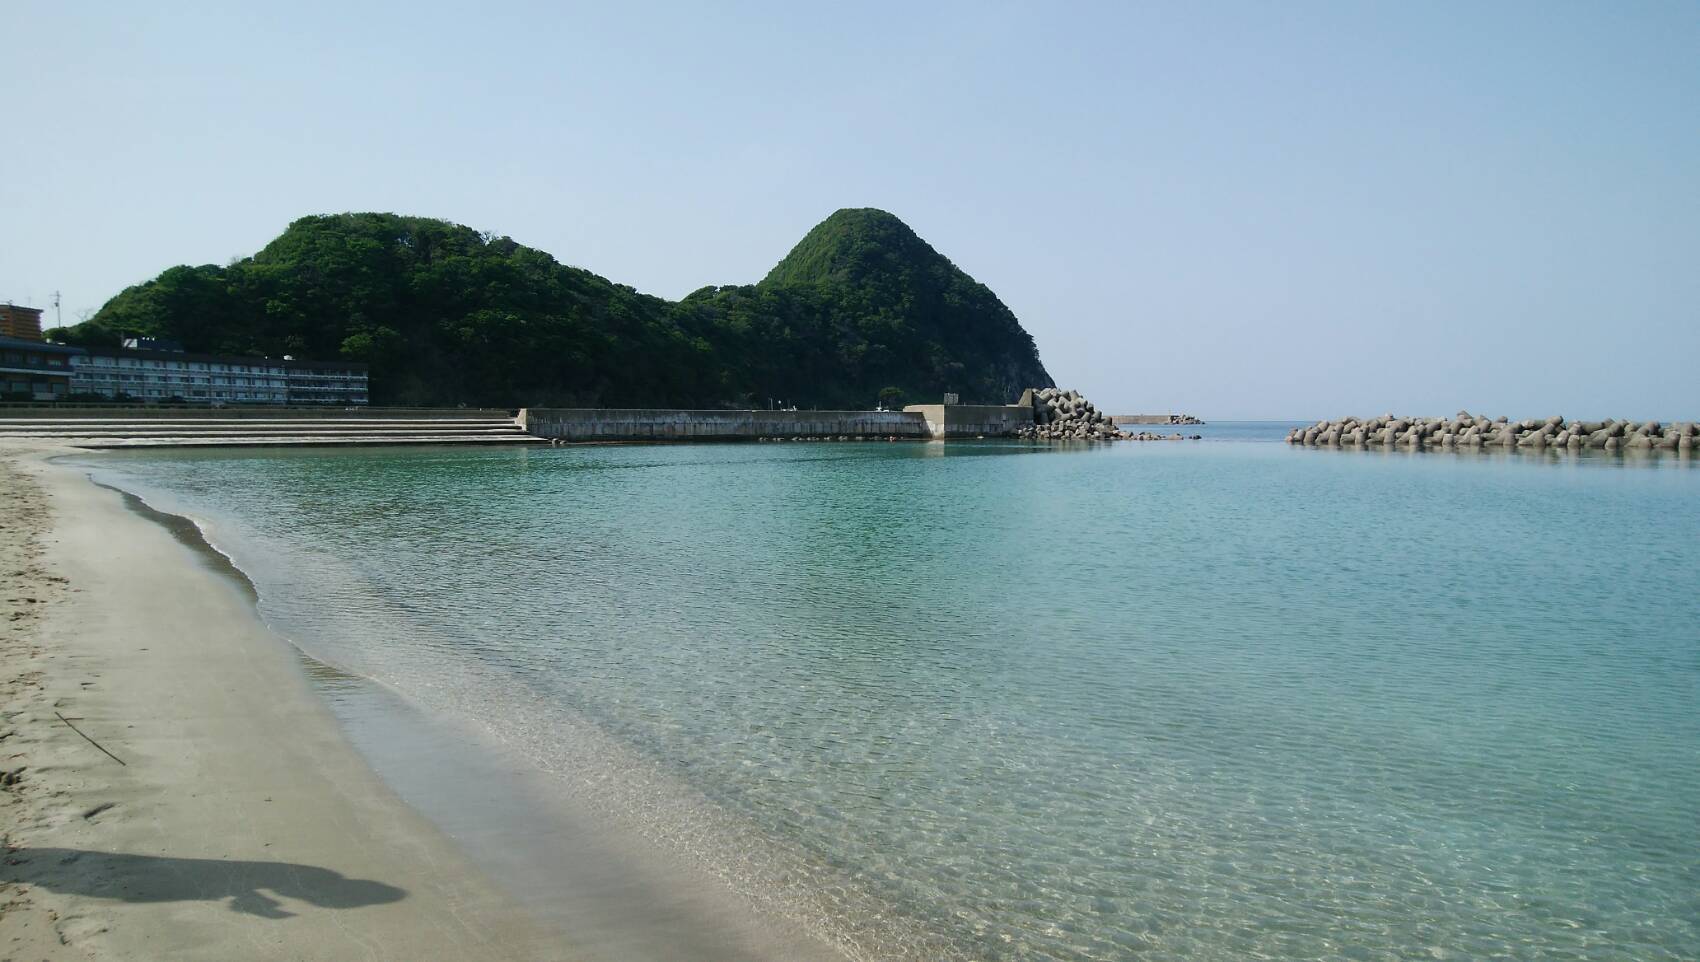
446	315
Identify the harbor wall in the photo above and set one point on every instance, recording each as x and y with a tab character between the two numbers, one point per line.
672	424
1154	419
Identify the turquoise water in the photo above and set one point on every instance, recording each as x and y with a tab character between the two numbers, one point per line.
1220	700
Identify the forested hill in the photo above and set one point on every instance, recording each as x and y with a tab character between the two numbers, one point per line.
447	315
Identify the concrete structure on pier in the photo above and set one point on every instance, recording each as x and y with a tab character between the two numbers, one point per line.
972	420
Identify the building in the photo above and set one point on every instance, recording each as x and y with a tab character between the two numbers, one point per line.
23	323
324	382
159	371
33	370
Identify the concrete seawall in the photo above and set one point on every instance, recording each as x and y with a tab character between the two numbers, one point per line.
672	424
972	420
1119	419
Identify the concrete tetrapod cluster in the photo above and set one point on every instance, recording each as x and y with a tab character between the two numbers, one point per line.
1060	415
1469	430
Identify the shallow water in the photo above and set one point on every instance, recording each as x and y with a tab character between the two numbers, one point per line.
1156	701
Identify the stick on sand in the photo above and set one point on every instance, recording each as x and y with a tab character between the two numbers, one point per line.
91	741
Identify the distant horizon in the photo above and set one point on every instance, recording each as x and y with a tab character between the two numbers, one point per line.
1205	209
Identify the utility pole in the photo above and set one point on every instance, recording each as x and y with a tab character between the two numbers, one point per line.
58	319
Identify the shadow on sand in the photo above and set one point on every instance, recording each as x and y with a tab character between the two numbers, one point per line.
158	878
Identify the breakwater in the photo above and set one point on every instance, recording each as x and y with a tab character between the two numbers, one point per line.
672	424
1120	419
1468	430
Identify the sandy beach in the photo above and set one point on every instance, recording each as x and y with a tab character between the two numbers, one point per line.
173	787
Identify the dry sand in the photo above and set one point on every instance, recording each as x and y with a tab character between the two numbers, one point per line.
232	819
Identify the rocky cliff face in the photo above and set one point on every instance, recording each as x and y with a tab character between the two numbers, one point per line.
873	269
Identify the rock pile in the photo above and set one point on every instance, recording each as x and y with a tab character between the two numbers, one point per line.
1066	416
1060	415
1469	430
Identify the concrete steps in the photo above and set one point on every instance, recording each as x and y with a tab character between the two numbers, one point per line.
264	432
146	429
196	423
254	441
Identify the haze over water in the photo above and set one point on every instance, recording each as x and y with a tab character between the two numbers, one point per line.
1154	701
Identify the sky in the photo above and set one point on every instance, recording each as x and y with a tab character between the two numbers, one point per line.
1236	210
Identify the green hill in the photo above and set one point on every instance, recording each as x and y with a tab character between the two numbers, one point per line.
447	315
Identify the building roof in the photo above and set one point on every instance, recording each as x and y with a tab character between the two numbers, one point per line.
43	347
292	365
49	347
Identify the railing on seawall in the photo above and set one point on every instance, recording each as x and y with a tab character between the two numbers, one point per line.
672	424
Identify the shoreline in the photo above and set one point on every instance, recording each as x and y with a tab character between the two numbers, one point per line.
232	817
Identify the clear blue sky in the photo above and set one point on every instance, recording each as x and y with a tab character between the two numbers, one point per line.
1257	209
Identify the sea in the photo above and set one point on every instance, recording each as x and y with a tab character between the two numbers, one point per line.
1223	699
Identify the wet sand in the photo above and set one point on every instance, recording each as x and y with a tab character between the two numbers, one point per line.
173	786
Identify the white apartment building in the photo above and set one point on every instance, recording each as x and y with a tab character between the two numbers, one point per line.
142	371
